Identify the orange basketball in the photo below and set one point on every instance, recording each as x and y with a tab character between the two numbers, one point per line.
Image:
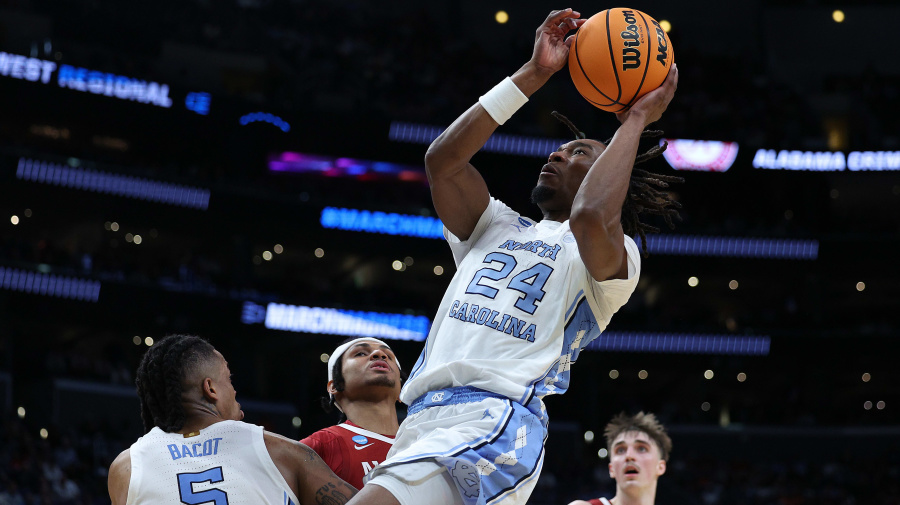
618	56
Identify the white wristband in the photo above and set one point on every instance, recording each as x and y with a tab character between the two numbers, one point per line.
503	100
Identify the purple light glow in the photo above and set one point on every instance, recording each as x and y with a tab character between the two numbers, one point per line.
364	170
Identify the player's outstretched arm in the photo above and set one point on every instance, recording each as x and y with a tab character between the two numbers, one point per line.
457	189
119	477
596	218
309	477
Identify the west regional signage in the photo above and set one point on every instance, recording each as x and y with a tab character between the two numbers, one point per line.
16	66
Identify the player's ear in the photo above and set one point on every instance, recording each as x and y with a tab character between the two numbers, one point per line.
330	389
661	468
209	390
612	474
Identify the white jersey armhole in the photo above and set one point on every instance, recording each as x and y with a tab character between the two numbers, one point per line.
604	501
134	481
610	295
259	437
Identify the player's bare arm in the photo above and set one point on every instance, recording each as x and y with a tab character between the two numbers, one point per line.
596	218
308	476
458	191
119	477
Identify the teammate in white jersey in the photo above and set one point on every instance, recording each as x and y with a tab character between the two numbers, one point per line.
639	448
198	451
526	297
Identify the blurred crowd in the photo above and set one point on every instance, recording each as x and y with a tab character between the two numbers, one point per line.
67	467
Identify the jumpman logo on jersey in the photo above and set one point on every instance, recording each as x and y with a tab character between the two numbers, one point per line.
523	223
487	413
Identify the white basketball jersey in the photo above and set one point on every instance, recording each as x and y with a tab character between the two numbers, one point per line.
227	463
518	311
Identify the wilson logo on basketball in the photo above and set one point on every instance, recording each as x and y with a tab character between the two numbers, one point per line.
663	46
631	39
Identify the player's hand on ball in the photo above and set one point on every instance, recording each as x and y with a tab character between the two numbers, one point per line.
652	105
551	46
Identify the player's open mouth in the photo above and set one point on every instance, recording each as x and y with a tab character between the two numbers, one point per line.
631	470
380	365
549	169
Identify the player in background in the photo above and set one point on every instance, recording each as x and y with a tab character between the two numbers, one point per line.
638	451
526	297
197	449
364	382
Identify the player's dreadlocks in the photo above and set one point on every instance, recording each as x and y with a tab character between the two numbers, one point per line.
160	376
644	195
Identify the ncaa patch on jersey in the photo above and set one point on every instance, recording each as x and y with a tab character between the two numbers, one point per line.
360	440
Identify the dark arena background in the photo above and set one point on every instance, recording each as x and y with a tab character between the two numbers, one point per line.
251	171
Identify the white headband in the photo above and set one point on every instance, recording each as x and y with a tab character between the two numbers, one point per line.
336	355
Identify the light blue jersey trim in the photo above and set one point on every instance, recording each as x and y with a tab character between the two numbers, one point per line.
567	343
574	303
420	363
556	381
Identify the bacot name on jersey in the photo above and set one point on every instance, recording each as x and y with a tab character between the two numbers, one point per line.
206	448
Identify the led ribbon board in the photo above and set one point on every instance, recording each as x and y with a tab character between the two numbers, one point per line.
498	143
700	155
732	247
49	285
681	245
827	161
382	222
302	319
681	343
102	182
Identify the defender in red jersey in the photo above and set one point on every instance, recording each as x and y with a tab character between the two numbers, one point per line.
639	448
364	385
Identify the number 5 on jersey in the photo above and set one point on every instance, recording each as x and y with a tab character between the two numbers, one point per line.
214	495
532	292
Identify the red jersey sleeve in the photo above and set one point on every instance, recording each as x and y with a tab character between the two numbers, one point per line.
328	446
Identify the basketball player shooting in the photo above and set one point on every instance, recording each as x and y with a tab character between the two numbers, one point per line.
526	297
197	450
